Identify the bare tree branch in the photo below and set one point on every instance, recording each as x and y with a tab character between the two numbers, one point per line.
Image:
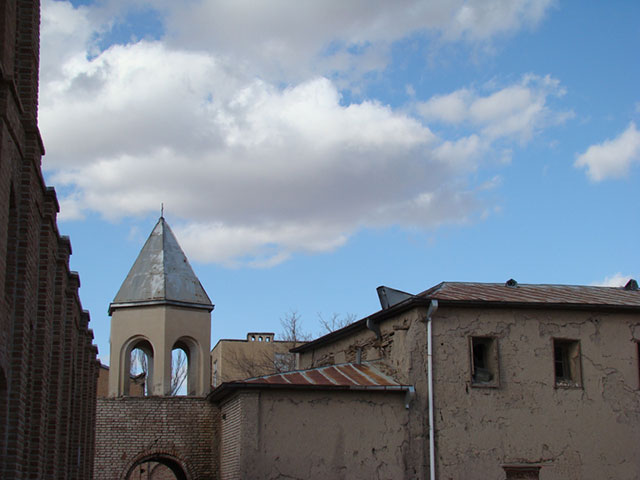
179	370
247	366
335	322
292	328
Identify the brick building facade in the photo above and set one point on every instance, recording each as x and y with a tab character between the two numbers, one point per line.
48	366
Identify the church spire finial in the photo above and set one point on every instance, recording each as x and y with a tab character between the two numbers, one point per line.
162	210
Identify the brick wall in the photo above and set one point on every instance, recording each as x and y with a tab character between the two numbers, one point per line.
132	430
48	365
230	440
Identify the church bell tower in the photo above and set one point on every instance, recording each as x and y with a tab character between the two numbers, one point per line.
161	306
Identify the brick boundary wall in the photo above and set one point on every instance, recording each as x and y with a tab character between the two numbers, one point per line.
133	429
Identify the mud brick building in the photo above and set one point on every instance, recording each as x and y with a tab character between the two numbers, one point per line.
514	381
48	366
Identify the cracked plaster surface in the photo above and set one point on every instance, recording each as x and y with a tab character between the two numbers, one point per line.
343	420
589	431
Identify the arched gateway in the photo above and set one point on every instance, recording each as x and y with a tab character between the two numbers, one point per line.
157	466
160	307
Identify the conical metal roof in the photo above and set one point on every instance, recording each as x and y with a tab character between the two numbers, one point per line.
161	275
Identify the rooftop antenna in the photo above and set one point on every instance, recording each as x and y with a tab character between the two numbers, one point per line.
162	210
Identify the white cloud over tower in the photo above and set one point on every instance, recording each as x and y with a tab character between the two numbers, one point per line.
234	118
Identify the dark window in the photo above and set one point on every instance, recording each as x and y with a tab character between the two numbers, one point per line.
484	361
522	472
566	361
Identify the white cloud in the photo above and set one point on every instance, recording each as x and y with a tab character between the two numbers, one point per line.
516	111
259	172
67	32
611	158
463	152
290	41
253	171
615	280
480	19
452	108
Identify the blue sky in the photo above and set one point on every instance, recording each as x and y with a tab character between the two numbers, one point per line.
307	152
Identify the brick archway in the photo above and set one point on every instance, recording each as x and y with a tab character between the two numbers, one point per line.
173	463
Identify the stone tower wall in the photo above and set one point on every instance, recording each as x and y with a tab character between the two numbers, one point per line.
48	366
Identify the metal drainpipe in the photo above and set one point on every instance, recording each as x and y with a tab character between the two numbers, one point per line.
433	306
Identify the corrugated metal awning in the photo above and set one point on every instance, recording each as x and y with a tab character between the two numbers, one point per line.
364	374
348	376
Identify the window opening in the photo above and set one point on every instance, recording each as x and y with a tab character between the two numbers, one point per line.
566	361
522	472
484	361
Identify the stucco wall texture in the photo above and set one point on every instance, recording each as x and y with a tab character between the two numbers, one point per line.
586	432
315	434
129	430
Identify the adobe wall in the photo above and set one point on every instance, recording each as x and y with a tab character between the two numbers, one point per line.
403	347
315	435
589	432
132	429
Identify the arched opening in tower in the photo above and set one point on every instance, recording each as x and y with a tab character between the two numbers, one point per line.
140	370
179	370
185	366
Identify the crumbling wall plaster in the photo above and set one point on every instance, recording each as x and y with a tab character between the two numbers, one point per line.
391	346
